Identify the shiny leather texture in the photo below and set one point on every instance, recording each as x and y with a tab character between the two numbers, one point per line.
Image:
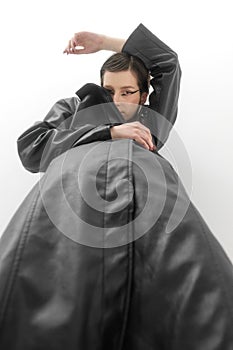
155	290
113	276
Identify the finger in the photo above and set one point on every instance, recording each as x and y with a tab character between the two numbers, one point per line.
67	51
68	46
76	39
141	142
73	44
78	51
142	134
147	138
147	130
142	127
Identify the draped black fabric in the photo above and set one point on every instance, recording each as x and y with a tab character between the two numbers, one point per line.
108	252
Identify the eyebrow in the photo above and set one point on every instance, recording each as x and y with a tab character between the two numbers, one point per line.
122	87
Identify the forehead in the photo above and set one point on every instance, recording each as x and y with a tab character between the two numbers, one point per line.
120	79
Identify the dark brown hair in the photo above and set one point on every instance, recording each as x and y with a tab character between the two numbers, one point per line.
122	61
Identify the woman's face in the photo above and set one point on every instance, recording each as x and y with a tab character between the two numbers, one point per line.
125	92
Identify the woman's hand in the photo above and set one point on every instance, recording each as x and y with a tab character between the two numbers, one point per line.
87	42
136	131
84	42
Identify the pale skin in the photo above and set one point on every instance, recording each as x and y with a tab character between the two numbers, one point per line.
123	86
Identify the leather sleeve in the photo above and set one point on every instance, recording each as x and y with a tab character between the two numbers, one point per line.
164	68
45	140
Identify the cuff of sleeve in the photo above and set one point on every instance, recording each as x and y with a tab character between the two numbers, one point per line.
106	135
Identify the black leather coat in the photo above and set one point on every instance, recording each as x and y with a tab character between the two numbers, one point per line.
107	251
59	131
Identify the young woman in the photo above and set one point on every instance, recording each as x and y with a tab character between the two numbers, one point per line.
126	76
107	251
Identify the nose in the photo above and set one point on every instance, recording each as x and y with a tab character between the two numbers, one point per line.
117	98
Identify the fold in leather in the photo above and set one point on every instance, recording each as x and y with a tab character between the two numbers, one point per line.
87	263
67	125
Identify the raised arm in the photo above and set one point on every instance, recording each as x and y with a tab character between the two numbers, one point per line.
164	67
160	60
45	140
88	42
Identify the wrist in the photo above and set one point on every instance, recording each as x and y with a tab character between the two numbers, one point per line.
112	132
112	44
115	132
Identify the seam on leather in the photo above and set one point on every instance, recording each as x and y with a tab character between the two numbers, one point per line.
103	249
17	258
130	250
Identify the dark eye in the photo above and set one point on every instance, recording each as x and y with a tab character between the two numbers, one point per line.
126	93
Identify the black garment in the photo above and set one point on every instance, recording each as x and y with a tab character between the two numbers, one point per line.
73	276
106	251
59	131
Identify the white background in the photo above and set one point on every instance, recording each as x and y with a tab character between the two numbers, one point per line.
34	74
